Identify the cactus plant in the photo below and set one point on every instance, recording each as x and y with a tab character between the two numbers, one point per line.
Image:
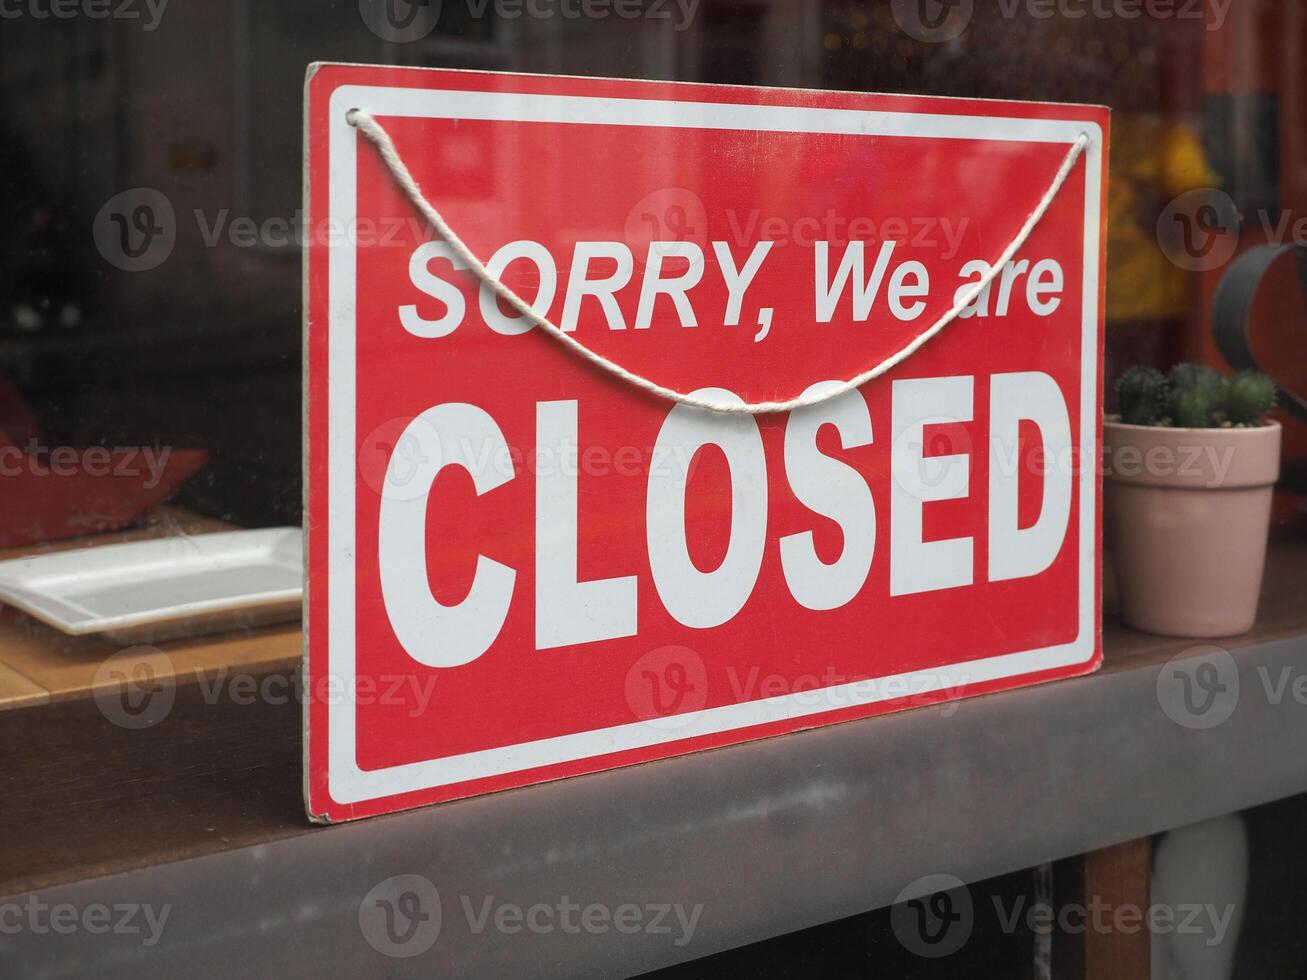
1194	397
1197	396
1251	395
1190	408
1192	375
1143	395
1189	553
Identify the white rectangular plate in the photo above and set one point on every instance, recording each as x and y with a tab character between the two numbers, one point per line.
165	587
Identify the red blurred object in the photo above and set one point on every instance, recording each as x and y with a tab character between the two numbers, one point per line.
53	494
18	425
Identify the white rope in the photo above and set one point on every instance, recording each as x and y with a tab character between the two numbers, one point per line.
378	136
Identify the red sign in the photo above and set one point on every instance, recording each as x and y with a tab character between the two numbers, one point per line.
522	568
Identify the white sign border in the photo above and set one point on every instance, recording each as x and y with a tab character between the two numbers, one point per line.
346	782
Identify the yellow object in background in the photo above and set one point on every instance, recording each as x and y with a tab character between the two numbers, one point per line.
1152	162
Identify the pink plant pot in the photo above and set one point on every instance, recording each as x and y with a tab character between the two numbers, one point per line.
1187	513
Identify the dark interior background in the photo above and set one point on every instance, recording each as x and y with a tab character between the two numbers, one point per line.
205	107
202	350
